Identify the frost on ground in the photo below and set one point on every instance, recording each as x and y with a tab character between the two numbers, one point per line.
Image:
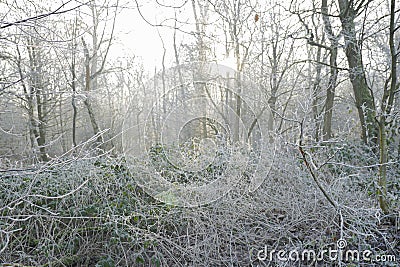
89	211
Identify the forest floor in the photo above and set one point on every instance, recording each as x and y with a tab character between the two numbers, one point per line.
91	212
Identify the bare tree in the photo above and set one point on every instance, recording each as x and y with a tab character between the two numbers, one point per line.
362	93
238	18
387	102
333	71
92	68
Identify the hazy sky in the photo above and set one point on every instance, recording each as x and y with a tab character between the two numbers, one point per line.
140	38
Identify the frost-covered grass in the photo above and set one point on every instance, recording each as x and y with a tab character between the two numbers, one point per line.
90	212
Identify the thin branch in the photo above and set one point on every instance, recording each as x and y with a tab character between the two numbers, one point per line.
311	171
41	16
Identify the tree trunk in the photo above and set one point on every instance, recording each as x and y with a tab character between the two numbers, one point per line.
29	101
383	159
87	102
315	93
238	86
202	58
36	90
386	108
74	108
274	88
238	111
333	73
363	96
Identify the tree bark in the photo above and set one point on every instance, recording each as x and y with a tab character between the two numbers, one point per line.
87	101
333	73
274	87
37	91
386	108
383	159
363	96
315	92
202	58
73	101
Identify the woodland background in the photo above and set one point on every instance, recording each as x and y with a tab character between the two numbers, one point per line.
299	116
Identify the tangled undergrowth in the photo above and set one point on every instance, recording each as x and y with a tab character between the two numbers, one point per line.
91	212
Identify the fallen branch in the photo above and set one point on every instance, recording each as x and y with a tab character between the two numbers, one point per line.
313	175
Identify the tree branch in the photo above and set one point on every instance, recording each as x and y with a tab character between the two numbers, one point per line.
41	16
313	175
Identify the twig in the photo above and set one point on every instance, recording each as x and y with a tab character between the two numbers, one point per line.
313	175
